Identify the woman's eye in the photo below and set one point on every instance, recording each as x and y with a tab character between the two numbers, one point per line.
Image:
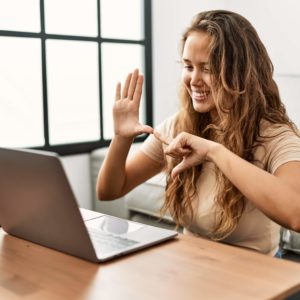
206	70
188	67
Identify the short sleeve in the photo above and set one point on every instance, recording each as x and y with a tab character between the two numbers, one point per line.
282	146
152	147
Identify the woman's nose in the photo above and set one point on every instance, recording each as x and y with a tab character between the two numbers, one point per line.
197	78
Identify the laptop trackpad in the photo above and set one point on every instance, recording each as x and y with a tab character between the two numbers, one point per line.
114	225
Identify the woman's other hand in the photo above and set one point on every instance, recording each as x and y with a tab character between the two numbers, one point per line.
126	107
189	149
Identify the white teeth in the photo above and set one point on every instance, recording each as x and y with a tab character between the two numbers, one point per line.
200	94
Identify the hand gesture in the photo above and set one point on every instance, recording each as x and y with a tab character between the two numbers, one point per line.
126	107
191	150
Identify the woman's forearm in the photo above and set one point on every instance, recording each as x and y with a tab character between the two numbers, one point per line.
267	192
112	175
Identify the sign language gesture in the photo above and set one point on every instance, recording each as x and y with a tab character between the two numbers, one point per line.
126	107
191	150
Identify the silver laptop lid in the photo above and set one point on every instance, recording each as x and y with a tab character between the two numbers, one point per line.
37	203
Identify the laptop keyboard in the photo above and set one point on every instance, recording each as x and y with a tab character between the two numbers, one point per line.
105	243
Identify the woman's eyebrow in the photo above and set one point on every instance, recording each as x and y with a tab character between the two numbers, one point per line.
185	60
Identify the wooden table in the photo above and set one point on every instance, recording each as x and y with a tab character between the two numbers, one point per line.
185	268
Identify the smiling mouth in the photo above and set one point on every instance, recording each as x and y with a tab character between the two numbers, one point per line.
200	96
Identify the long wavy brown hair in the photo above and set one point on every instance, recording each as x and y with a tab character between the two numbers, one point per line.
244	93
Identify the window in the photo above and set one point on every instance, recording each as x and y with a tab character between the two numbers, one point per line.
60	62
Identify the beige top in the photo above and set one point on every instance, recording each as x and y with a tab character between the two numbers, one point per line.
254	230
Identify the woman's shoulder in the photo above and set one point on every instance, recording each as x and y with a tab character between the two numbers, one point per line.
269	130
170	119
280	144
167	126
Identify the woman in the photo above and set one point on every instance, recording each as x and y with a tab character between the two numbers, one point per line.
231	153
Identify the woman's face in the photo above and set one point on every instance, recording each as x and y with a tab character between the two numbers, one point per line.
196	74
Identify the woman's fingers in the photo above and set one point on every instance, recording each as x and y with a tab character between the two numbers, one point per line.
118	91
187	162
175	149
178	152
144	129
126	86
133	87
133	83
161	138
178	169
138	90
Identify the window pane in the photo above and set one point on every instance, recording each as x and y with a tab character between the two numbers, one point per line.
20	15
117	61
71	17
122	19
21	111
73	91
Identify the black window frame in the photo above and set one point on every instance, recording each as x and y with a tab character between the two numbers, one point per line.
85	147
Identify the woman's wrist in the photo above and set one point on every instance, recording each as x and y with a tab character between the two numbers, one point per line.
213	151
123	139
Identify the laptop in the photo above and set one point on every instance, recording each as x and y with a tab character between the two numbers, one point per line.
37	204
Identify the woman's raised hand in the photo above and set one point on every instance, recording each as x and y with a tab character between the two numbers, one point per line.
126	107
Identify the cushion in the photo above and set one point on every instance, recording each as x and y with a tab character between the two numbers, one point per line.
290	240
148	197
